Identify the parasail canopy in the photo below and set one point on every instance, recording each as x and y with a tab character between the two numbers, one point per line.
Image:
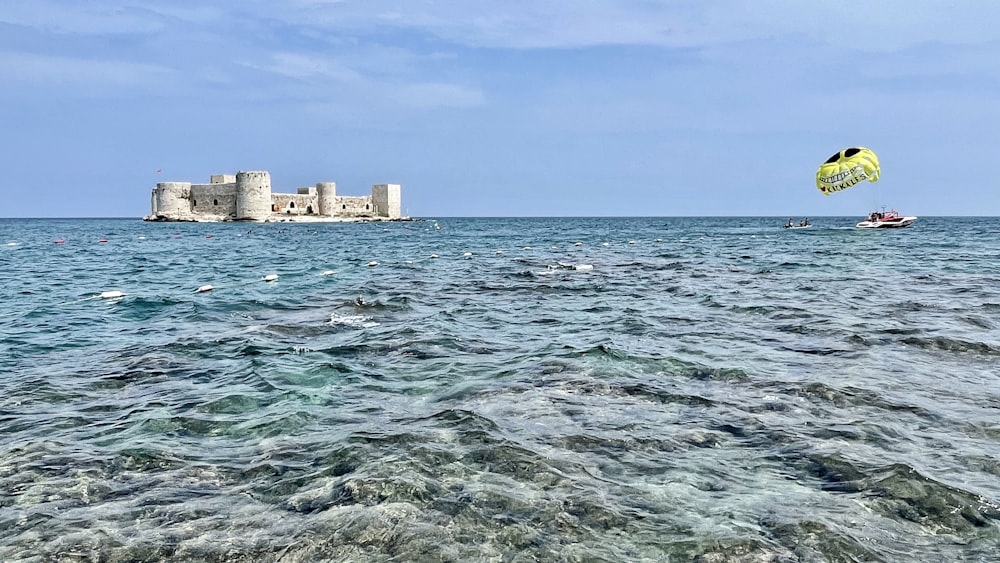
846	169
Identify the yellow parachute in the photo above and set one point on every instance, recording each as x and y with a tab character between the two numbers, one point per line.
847	168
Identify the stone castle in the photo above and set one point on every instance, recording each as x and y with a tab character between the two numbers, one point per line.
247	196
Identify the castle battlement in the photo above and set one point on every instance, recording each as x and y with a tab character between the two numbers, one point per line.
247	196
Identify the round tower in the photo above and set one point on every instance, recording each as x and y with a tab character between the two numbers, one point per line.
253	196
326	195
173	199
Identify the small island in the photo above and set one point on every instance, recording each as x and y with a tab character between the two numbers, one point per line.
247	196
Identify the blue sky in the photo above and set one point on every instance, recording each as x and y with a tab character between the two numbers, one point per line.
514	108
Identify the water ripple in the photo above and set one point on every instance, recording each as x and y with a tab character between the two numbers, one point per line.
573	390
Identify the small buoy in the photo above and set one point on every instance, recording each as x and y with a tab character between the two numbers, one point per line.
467	254
631	242
204	288
373	263
209	236
102	240
434	255
605	244
584	266
328	272
499	251
578	244
111	294
59	241
270	277
142	238
11	244
526	248
659	240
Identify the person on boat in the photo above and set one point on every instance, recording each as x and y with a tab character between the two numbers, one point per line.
789	223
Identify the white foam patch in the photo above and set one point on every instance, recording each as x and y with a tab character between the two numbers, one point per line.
353	321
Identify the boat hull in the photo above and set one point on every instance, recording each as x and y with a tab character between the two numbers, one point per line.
896	223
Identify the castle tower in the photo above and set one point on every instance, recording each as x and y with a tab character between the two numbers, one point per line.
253	196
172	200
387	201
326	195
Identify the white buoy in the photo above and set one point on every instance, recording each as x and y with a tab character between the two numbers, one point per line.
605	244
468	255
584	266
111	294
578	244
434	255
270	277
408	261
631	242
11	244
526	248
328	272
373	264
659	240
204	288
499	252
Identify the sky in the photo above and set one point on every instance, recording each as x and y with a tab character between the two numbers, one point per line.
513	108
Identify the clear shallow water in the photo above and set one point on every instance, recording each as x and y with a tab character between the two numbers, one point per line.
711	390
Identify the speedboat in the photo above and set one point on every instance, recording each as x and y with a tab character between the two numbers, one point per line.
886	220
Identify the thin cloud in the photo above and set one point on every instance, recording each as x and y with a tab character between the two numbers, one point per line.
50	70
107	17
538	24
301	66
524	24
437	95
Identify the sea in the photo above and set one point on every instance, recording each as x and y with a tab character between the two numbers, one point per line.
500	389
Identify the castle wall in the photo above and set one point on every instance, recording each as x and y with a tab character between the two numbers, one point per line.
214	199
387	200
353	206
247	196
294	204
253	195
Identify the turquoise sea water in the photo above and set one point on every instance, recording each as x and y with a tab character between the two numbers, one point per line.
710	390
